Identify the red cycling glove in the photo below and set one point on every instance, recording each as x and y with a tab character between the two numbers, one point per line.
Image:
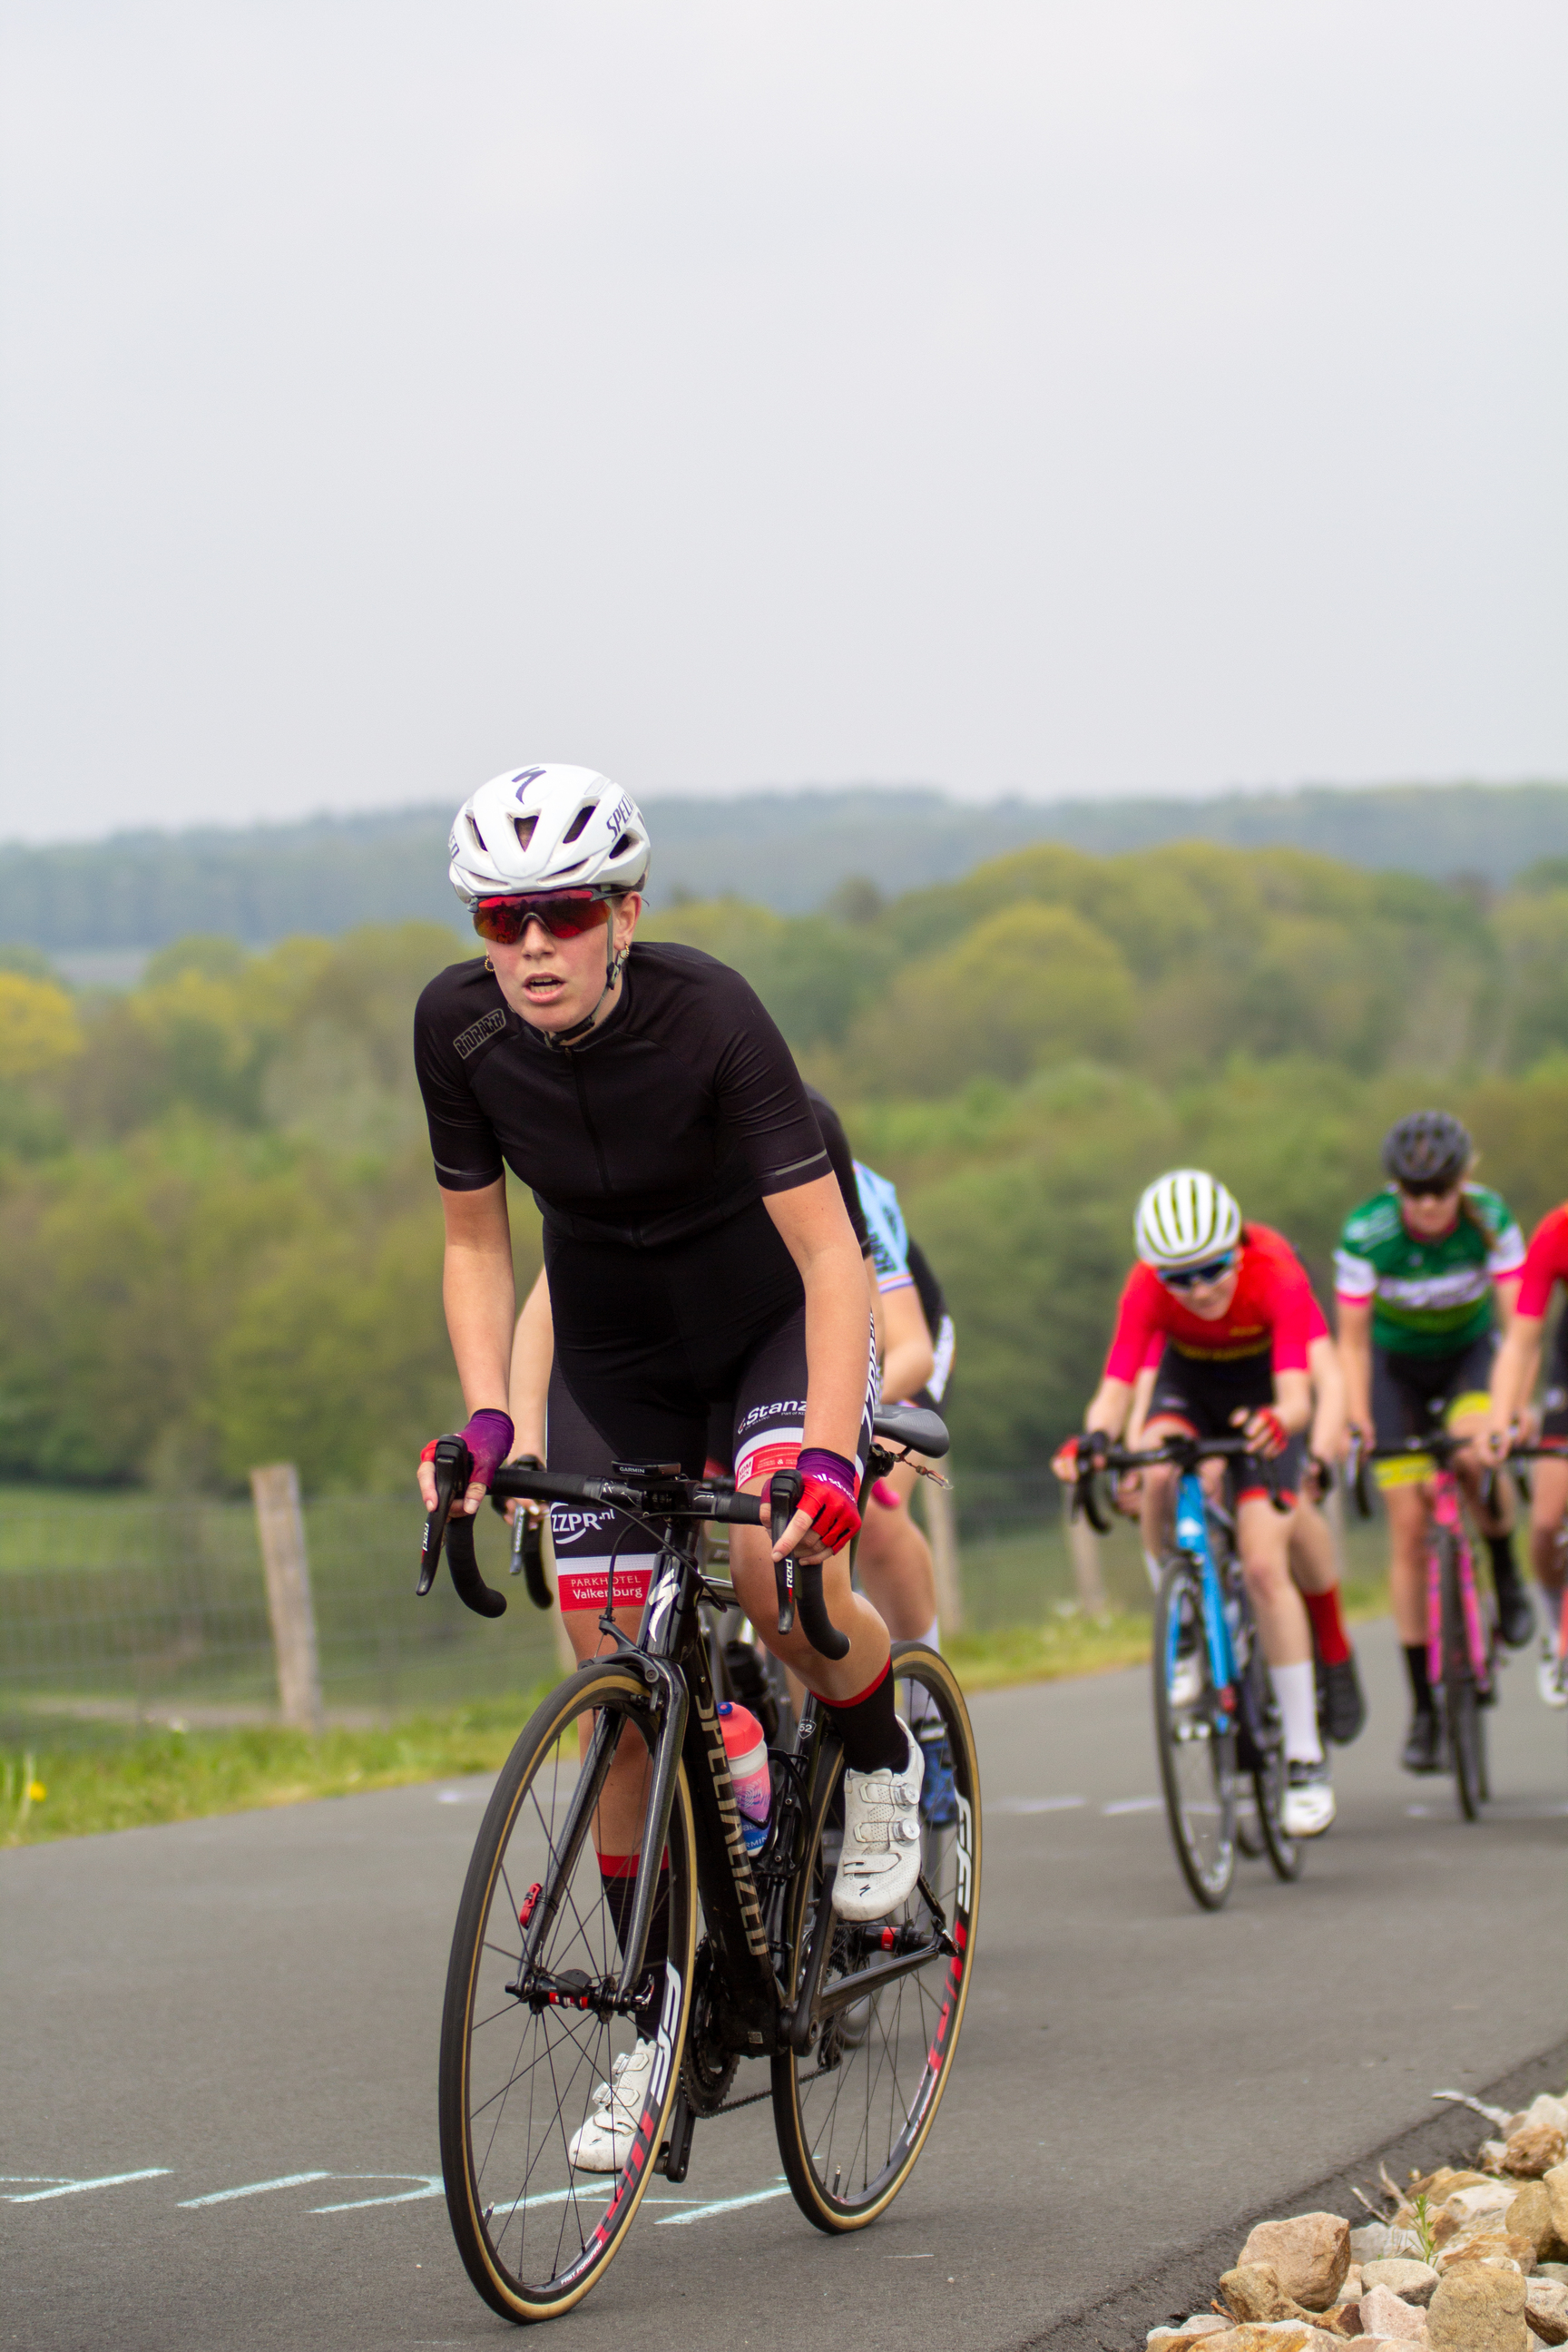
487	1437
827	1496
1273	1436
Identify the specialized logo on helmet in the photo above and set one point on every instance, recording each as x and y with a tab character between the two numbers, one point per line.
523	781
472	1039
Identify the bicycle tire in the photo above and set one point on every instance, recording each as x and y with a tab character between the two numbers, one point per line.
506	2159
892	2051
1461	1712
1196	1741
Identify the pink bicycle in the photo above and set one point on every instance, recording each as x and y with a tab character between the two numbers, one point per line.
1461	1619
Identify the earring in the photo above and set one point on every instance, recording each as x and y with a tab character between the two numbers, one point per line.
488	965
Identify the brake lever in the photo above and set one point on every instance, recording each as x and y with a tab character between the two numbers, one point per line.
453	1465
527	1538
784	1490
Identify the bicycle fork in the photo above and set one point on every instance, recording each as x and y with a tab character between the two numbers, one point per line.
1193	1538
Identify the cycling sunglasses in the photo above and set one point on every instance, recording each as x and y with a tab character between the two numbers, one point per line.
1428	1188
565	914
1188	1277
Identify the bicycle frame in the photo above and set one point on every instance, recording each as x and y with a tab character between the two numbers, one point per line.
1448	1514
1192	1529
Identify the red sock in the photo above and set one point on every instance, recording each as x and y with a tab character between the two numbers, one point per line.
1328	1626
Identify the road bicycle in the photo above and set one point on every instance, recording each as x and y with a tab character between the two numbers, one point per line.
1216	1721
712	1954
1461	1618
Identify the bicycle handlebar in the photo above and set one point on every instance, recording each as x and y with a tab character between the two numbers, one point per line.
653	1491
1187	1453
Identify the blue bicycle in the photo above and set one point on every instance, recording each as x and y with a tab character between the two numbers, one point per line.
1215	1719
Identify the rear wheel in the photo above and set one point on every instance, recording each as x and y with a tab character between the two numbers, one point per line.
530	2041
853	2109
1195	1736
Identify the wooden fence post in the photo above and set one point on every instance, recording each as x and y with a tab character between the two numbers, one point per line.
941	1532
280	1525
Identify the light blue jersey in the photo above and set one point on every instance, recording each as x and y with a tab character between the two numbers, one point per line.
886	1229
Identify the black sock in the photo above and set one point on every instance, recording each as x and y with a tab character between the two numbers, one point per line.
1420	1685
869	1729
1505	1568
618	1876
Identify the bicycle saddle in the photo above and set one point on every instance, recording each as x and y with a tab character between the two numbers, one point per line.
913	1426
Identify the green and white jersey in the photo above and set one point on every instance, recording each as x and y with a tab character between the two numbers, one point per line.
1427	1298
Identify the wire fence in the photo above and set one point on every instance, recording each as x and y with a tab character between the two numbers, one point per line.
121	1608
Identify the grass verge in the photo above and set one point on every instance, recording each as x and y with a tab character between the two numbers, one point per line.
145	1777
180	1776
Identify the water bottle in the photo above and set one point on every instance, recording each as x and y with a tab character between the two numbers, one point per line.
746	1746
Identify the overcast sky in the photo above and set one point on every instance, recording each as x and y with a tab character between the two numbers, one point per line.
1061	398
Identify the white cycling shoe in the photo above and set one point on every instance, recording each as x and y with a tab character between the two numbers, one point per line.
1551	1677
1186	1684
880	1857
1309	1807
605	2141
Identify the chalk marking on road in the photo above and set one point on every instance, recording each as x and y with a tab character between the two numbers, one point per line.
76	2188
720	2205
430	2184
1134	1805
255	2188
1015	1805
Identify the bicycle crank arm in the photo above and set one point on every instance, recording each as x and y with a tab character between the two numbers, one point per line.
845	1990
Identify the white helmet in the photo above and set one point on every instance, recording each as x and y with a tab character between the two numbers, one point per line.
1184	1218
547	828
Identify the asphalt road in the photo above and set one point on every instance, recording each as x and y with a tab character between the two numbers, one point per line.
218	2127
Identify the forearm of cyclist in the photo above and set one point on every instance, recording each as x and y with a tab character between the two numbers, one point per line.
1356	1362
910	1359
816	1232
532	1355
1514	1372
477	1292
1329	1414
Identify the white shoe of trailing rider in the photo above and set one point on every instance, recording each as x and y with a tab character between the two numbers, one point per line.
605	2141
1308	1806
1186	1684
1550	1678
880	1859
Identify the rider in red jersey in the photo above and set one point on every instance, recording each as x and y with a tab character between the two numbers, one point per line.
1513	1385
1235	1308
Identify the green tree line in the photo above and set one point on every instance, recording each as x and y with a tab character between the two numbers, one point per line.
222	1236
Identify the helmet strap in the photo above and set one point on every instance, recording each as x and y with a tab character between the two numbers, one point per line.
615	964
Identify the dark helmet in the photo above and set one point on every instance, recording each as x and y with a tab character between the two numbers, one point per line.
1430	1146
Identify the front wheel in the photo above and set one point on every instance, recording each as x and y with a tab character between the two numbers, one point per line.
1462	1715
536	2024
1196	1736
853	2109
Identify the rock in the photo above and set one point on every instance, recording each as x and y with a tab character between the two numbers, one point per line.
1382	2313
1558	2271
1279	2336
1489	2246
1443	2182
1412	2281
1556	2184
1476	2308
1478	2203
1543	2109
1377	2241
1529	2216
1546	2309
1252	2291
1533	2150
1309	2253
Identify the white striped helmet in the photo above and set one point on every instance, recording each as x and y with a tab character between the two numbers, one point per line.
1185	1218
549	827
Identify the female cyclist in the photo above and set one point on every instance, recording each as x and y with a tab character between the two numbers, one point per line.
698	1253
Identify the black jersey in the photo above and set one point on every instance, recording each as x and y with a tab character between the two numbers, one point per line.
677	1113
